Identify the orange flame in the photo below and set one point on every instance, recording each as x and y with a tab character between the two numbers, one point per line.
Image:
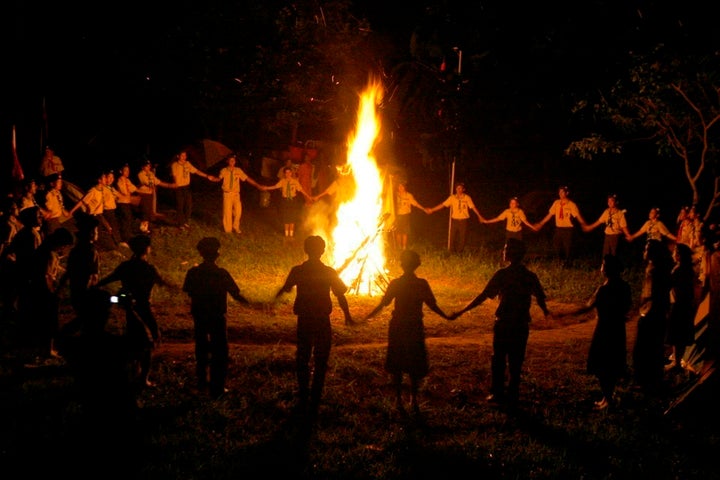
356	245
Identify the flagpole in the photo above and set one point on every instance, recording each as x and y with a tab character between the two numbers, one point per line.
452	182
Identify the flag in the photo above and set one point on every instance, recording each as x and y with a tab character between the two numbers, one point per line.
17	171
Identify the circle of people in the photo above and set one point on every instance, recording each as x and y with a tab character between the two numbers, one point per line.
35	240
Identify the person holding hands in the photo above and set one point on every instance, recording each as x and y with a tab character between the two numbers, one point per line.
460	205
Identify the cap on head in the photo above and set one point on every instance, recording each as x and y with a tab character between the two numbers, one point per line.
314	245
208	247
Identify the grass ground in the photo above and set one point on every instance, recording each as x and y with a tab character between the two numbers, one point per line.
252	431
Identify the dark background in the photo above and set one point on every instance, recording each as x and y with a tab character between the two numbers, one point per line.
119	84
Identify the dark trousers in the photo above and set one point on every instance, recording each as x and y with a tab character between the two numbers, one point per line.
183	198
458	235
125	218
211	352
509	344
313	340
562	240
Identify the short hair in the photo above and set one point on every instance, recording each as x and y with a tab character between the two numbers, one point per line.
409	260
314	245
139	244
515	249
208	247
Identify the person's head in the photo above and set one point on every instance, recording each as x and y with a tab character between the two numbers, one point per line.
109	177
683	254
654	213
30	217
55	181
401	186
314	246
140	245
60	239
146	166
88	226
231	160
409	260
612	266
49	153
612	201
657	253
209	248
514	250
288	172
30	186
563	191
459	188
514	202
125	171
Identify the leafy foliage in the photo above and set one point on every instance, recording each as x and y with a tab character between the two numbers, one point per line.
671	101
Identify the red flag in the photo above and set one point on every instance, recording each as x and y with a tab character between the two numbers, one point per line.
17	171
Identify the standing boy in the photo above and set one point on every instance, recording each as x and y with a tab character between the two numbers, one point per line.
515	285
314	281
208	286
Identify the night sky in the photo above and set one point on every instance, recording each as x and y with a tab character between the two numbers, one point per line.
114	76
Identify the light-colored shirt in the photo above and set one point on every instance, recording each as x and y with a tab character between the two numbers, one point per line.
564	211
181	173
231	178
460	206
404	203
513	219
614	220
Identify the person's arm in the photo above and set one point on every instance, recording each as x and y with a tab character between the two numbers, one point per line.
542	222
476	302
254	183
592	226
435	208
642	230
496	219
477	212
342	301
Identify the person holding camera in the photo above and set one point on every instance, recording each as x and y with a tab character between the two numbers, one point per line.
138	277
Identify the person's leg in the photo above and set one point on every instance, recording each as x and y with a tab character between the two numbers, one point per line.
202	354
302	361
414	393
227	207
219	357
516	357
236	212
321	356
397	386
462	234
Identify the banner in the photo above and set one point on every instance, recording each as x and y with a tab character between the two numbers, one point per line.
17	171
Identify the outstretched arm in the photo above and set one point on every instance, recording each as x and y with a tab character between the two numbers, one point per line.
476	302
542	222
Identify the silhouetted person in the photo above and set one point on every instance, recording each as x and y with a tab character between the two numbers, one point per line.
407	352
607	357
105	383
515	285
138	277
681	320
314	281
46	278
83	265
648	352
208	286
